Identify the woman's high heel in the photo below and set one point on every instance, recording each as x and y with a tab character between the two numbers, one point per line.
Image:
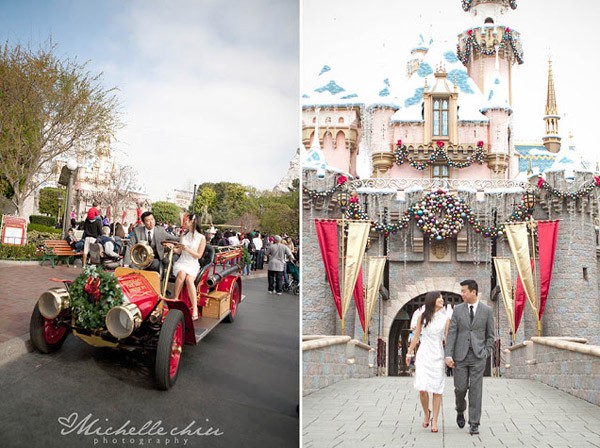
432	428
426	424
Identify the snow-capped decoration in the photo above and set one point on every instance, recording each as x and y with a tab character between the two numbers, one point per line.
315	158
364	163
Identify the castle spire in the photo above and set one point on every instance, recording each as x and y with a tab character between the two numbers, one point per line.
550	96
552	138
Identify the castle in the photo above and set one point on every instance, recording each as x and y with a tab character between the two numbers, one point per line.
448	128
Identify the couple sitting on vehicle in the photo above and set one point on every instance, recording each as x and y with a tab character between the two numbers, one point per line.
190	248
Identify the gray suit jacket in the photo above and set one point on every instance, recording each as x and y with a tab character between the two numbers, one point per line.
463	334
139	234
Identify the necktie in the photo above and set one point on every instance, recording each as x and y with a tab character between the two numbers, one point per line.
471	313
150	243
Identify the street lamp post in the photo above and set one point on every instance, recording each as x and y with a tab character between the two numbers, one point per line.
71	167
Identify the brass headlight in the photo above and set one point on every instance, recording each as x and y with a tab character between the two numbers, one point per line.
142	255
53	301
123	320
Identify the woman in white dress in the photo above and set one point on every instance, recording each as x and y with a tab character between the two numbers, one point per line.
186	269
432	328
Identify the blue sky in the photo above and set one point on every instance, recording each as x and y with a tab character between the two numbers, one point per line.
361	41
206	86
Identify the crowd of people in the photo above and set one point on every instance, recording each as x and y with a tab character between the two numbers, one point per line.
279	253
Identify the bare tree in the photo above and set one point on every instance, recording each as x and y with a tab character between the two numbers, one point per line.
119	190
48	108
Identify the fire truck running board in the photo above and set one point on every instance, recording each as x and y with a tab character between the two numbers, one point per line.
205	325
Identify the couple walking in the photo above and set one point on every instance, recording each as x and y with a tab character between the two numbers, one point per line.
469	337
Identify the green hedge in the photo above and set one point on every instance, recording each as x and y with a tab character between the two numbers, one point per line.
27	252
37	238
49	221
42	228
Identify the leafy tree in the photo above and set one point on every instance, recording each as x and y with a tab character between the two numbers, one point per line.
206	196
49	202
166	212
49	108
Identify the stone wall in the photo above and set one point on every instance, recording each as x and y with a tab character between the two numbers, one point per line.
329	359
568	364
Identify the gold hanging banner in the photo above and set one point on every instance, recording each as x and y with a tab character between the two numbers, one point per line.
519	246
503	271
375	267
358	233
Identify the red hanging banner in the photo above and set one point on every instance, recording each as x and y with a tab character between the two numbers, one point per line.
547	236
519	302
327	234
359	298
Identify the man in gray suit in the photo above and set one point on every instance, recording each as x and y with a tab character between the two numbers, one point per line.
470	341
154	235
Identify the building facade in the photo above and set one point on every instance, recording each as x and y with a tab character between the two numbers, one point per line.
443	141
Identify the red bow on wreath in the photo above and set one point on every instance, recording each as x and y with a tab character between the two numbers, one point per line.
342	180
92	287
597	180
540	183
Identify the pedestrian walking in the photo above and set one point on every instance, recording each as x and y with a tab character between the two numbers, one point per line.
431	331
470	341
276	254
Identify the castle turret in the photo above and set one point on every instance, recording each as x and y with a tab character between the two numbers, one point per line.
552	138
487	37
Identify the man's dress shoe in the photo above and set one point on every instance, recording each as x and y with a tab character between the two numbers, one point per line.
460	420
473	429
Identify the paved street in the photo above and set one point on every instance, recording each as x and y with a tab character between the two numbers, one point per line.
241	381
385	412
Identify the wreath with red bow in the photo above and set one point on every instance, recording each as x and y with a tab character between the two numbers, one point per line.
93	294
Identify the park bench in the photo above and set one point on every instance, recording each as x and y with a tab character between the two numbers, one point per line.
58	250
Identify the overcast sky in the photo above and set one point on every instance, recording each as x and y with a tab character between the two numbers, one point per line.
362	37
209	88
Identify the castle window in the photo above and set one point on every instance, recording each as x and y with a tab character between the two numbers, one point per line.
489	20
341	120
440	171
440	117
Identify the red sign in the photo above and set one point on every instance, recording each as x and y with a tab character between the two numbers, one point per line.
14	230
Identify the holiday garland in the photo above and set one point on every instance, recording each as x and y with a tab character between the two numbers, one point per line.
314	194
471	44
585	190
401	154
92	295
439	215
466	4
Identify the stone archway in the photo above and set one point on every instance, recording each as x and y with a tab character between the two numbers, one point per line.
396	321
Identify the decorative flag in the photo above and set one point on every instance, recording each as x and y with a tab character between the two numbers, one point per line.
503	271
518	241
359	298
327	235
547	236
376	266
358	232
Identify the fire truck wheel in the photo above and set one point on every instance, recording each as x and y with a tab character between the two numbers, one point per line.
46	336
168	353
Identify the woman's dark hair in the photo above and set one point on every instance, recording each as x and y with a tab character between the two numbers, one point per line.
430	299
197	227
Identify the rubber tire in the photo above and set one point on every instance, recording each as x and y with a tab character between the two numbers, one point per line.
234	292
296	290
163	352
36	333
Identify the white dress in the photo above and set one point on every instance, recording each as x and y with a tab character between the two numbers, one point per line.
429	362
186	262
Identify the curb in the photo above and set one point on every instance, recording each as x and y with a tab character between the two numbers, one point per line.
15	347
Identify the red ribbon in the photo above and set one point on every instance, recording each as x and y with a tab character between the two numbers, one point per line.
92	287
